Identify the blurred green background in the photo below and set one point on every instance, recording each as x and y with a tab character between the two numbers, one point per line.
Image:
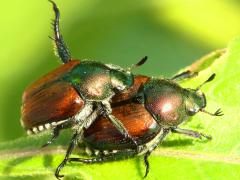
173	33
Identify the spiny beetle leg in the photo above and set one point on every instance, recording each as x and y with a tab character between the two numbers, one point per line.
56	132
69	151
191	133
120	127
184	75
107	111
61	48
109	157
148	153
146	163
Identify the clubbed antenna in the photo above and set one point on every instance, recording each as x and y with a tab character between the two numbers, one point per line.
141	62
208	80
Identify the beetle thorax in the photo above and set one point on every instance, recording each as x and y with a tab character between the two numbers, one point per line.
97	87
168	108
92	80
164	100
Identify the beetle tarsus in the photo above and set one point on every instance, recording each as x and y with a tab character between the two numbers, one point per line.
218	113
61	48
148	153
184	75
104	158
57	175
92	160
146	163
191	133
56	132
53	138
69	151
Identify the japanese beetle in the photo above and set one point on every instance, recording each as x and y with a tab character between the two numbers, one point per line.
149	110
72	95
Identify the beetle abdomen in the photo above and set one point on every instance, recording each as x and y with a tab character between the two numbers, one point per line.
49	106
135	118
91	79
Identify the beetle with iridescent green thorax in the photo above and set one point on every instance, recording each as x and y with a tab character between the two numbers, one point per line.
149	110
72	95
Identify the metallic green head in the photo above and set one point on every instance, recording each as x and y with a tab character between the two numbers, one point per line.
195	99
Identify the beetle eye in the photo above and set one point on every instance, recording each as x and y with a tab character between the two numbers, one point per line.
192	111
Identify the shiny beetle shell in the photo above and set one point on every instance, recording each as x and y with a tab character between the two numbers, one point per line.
49	101
166	101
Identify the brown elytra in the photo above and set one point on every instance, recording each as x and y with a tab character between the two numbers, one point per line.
47	100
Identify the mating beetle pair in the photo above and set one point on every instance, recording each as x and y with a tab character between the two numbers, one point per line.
78	93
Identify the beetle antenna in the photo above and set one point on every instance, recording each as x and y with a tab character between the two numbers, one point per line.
217	113
208	80
139	63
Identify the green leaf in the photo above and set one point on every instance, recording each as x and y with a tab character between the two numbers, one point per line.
179	157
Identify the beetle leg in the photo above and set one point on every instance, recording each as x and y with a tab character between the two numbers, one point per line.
107	110
69	151
127	153
109	157
191	133
92	117
146	155
149	151
75	139
56	132
184	75
61	48
120	127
